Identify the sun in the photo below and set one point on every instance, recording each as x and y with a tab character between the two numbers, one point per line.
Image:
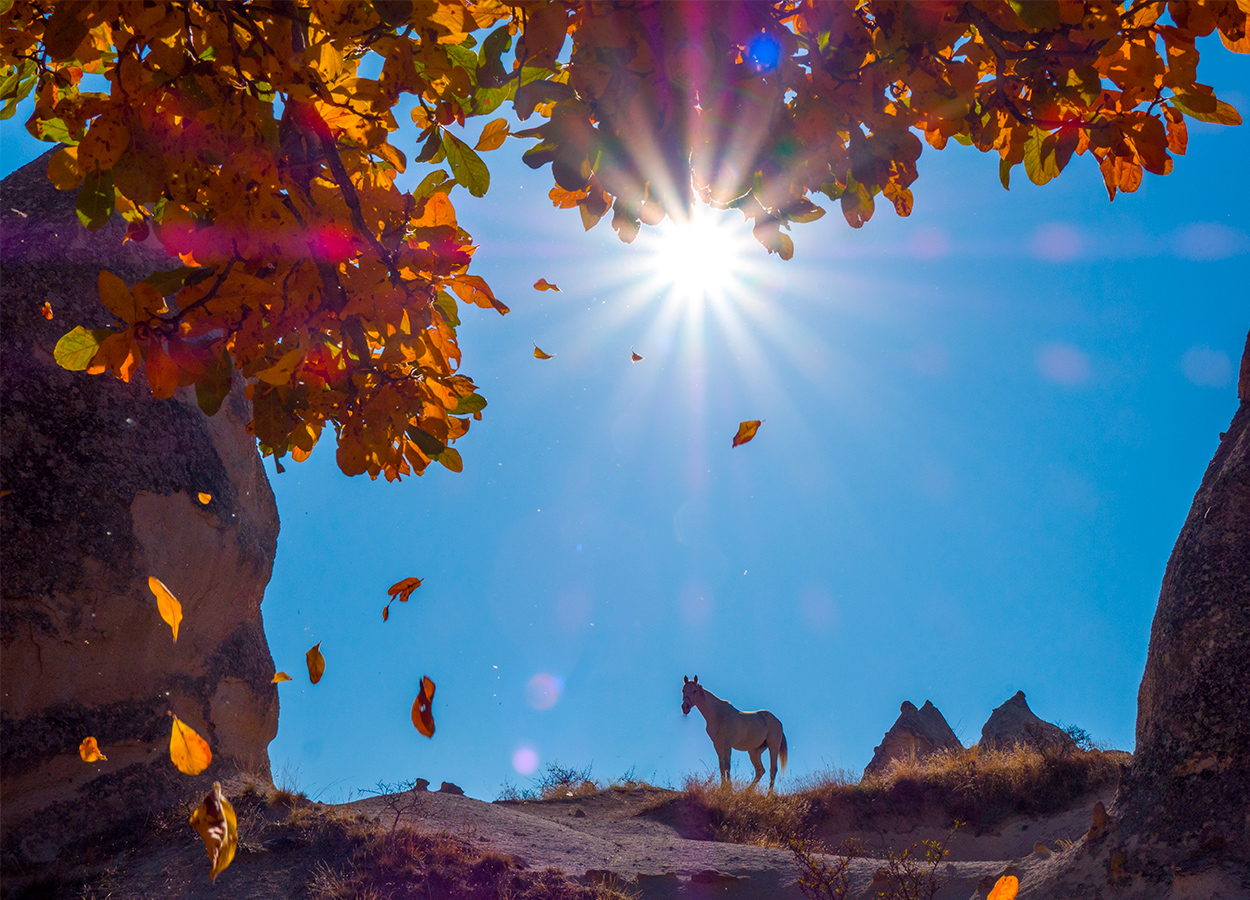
704	257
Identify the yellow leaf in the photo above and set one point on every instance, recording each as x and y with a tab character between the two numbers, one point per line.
280	677
746	431
89	750
280	372
316	663
189	752
205	498
539	354
543	284
63	169
217	826
493	135
116	297
1006	888
422	714
170	608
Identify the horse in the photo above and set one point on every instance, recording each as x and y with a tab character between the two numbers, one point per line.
730	729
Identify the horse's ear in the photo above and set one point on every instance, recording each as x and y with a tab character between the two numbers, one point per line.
696	679
685	679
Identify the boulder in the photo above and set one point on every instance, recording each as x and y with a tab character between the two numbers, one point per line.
1014	723
102	488
1186	801
916	734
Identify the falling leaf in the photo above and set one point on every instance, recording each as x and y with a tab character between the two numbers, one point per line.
1006	888
746	431
89	750
422	715
280	677
539	354
217	826
189	752
634	355
47	310
401	591
171	609
205	498
543	284
316	663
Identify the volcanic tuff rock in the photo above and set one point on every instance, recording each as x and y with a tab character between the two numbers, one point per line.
1014	723
101	485
916	734
1187	798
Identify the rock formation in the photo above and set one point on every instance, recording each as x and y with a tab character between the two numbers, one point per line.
1014	723
101	486
1186	802
916	734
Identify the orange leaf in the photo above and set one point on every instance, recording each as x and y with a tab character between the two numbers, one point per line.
539	354
279	677
634	355
46	309
189	752
218	827
493	135
402	590
1006	888
422	714
170	608
205	498
316	663
746	431
162	371
543	284
474	289
89	750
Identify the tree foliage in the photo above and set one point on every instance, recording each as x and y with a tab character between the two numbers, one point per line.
246	136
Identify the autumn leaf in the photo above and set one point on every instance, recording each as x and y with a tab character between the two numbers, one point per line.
217	826
205	498
634	355
90	751
493	135
543	284
316	663
1005	889
422	714
402	590
539	354
76	349
46	309
170	608
280	677
189	752
746	431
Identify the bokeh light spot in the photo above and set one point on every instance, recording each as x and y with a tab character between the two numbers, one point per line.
543	690
524	760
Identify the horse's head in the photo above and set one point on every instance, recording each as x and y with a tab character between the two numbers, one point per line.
691	693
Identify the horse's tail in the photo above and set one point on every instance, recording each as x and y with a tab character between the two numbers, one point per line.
781	754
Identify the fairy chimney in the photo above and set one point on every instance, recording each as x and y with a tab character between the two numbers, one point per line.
916	734
102	487
1014	723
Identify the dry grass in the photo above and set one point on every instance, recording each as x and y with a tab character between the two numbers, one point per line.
980	788
407	865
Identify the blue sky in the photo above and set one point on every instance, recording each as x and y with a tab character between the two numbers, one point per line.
984	425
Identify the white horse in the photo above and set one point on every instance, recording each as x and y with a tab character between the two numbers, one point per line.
730	729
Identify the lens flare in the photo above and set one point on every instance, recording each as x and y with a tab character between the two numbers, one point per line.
703	257
524	760
543	690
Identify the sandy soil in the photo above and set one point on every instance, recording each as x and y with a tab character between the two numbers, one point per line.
640	839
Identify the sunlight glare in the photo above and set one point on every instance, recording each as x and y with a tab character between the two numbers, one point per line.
705	257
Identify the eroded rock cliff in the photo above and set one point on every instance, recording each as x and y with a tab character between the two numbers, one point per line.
101	485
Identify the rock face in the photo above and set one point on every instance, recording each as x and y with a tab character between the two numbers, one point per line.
1014	723
1186	801
916	734
100	486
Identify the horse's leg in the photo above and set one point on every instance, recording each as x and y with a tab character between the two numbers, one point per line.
772	766
757	762
723	758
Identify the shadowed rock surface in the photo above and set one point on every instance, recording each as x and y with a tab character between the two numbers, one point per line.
1186	803
916	734
1014	723
101	483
